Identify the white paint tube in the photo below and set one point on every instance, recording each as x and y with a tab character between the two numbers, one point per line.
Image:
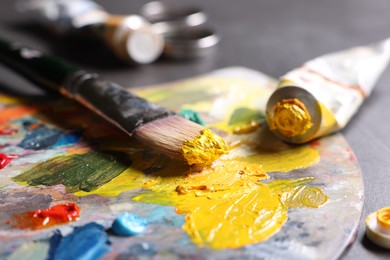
321	96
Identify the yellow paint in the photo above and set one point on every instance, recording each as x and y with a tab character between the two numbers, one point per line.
328	122
247	128
295	194
383	218
204	149
291	117
285	160
227	204
240	209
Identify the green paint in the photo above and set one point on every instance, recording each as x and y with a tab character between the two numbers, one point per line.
243	116
191	115
76	172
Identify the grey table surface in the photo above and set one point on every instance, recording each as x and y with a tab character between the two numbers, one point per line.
272	36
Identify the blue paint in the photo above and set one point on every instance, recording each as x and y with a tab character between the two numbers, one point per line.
67	139
84	243
54	241
128	224
40	138
44	137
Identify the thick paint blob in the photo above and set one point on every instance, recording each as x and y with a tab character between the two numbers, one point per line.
42	137
5	159
204	149
291	117
44	218
192	116
128	224
87	242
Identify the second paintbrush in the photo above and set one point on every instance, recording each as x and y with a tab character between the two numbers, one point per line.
151	124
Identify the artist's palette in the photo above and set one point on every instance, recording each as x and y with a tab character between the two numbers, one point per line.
264	200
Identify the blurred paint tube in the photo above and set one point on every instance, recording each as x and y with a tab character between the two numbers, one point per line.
320	97
131	38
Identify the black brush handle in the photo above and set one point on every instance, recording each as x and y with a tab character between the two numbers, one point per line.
44	70
109	100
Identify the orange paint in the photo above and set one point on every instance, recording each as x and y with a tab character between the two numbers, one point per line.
9	113
43	218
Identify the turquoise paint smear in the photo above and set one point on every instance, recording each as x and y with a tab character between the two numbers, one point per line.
164	215
67	140
128	224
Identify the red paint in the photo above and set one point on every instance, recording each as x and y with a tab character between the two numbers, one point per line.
5	159
315	143
8	131
43	218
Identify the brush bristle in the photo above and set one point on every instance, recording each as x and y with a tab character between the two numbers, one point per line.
182	139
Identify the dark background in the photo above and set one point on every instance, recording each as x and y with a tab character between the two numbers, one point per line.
272	36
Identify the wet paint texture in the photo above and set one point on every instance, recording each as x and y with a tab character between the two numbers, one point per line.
291	117
43	137
192	116
204	149
4	160
227	205
84	243
77	171
44	218
128	224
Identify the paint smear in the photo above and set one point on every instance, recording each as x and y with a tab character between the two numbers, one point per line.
5	159
241	209
77	171
44	218
86	242
42	137
8	131
285	160
13	112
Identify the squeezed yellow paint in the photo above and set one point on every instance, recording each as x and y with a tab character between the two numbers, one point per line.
383	217
291	117
204	149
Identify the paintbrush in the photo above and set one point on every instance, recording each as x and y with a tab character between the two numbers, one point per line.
151	124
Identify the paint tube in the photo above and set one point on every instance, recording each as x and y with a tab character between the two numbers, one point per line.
321	96
63	16
131	37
